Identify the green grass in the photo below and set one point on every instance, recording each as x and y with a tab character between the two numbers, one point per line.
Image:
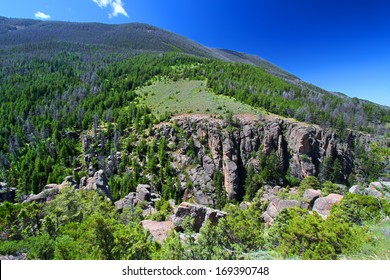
377	247
189	97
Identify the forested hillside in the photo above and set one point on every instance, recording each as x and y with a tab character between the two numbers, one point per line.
114	133
46	102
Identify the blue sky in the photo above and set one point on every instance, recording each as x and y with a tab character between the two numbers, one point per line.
335	44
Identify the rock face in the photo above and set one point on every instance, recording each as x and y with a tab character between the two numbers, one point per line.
277	205
98	183
159	230
310	196
200	214
202	181
379	190
323	204
51	190
230	147
7	194
230	168
143	193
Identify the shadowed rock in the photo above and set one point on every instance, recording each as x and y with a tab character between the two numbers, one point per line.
143	192
199	213
99	183
323	204
310	196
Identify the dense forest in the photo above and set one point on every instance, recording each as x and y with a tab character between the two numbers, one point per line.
44	100
62	101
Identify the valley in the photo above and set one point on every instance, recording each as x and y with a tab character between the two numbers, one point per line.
141	144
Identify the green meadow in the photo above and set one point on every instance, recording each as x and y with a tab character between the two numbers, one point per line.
189	97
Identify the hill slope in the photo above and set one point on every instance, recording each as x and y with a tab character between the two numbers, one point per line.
99	43
134	36
93	114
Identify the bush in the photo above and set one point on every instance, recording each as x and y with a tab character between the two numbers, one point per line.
310	182
66	248
41	247
328	188
360	209
173	248
12	247
296	232
244	226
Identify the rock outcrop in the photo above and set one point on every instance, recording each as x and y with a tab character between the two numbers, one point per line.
276	205
159	230
15	257
379	190
323	204
143	193
313	200
231	147
371	191
199	213
6	193
129	201
355	189
310	196
98	183
51	190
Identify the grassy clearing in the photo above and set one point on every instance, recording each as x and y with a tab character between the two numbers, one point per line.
189	97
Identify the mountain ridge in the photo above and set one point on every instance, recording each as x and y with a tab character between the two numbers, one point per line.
144	37
8	25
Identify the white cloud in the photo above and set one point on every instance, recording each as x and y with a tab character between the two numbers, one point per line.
102	3
116	5
40	15
118	9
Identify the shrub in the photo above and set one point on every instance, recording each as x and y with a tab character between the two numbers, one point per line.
360	209
12	247
328	187
296	232
41	247
66	248
310	182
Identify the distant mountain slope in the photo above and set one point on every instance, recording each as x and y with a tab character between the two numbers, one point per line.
233	56
134	36
101	44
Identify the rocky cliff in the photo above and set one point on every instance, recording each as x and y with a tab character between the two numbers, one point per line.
232	146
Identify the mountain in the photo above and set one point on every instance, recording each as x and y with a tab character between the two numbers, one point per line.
115	42
114	129
134	36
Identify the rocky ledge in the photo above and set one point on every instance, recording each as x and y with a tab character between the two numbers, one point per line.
98	182
231	146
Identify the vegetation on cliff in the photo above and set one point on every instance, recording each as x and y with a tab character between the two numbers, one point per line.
73	107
